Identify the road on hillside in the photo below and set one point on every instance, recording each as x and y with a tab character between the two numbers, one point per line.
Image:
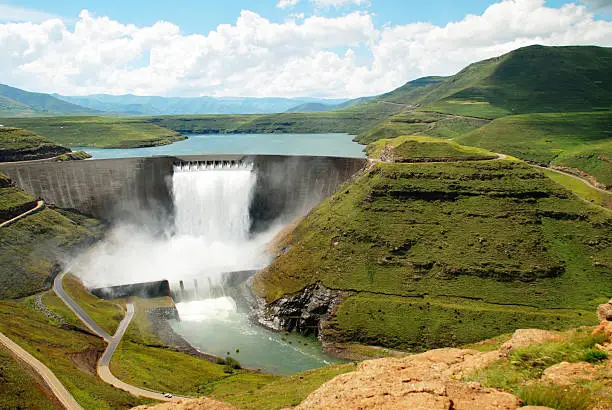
39	206
576	177
104	363
58	288
50	379
103	367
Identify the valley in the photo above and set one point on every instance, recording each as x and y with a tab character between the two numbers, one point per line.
483	206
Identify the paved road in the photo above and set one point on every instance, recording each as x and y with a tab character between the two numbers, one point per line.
576	177
39	206
104	363
58	288
113	341
50	379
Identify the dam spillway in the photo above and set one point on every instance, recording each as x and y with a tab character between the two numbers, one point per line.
112	189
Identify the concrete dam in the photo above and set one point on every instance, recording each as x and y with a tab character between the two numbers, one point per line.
112	189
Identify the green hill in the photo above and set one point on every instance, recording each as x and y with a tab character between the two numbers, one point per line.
530	79
99	132
16	103
441	254
21	145
580	141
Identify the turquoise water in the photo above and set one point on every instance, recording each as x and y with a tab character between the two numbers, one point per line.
334	145
215	326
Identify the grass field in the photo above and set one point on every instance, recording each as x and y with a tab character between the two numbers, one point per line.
582	190
575	140
71	355
100	132
520	373
479	248
420	149
31	249
108	314
18	145
19	386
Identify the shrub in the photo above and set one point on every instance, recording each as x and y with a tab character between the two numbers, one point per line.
555	396
595	356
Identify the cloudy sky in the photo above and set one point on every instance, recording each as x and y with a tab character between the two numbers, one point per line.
284	48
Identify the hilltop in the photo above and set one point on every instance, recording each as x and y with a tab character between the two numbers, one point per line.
530	79
19	103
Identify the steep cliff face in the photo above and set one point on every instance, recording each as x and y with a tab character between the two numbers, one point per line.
304	312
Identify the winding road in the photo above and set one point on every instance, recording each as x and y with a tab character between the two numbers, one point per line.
58	389
58	288
103	367
39	206
576	177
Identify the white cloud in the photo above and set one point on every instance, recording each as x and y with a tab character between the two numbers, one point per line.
338	3
316	56
283	4
14	13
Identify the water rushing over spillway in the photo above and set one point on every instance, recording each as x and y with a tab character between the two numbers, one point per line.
209	234
212	200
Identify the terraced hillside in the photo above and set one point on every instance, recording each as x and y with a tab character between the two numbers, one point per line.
441	254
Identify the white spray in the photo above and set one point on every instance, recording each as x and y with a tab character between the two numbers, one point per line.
210	234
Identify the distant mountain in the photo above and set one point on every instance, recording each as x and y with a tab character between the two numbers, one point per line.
530	79
321	107
18	103
142	105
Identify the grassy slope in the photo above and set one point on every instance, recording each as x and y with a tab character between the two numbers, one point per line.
520	373
14	101
143	360
445	254
19	144
419	148
351	120
97	131
31	247
13	201
107	314
418	122
18	386
584	191
530	79
576	140
71	355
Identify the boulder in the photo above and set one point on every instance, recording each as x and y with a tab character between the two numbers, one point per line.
604	311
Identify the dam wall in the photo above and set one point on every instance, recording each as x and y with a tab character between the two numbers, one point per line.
106	189
147	290
111	189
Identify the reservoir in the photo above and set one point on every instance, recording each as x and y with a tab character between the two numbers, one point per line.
333	145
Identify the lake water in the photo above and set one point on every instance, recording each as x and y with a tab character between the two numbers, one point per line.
335	145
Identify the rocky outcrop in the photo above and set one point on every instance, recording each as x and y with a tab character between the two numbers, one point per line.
32	153
190	404
303	312
423	381
604	311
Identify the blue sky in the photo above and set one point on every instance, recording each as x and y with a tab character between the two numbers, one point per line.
311	48
201	16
